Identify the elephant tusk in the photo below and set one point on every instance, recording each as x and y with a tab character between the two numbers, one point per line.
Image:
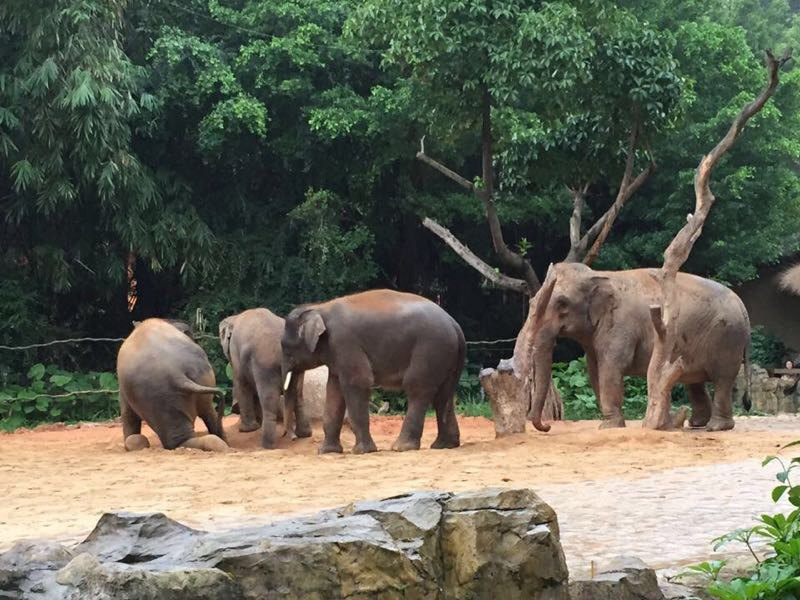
287	381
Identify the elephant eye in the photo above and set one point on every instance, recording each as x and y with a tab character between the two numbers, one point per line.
561	303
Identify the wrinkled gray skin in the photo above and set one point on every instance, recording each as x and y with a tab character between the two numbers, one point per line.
385	339
166	380
607	313
251	342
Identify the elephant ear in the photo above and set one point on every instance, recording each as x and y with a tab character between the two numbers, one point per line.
311	329
602	301
225	333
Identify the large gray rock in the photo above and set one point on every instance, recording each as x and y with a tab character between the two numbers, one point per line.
625	578
427	545
769	395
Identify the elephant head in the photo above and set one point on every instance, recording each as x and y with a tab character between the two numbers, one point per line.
572	302
225	333
300	342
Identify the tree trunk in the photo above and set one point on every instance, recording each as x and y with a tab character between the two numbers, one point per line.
510	407
666	364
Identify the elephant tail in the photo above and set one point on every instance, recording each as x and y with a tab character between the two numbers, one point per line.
191	387
748	379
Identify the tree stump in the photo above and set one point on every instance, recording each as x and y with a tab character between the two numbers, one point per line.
509	403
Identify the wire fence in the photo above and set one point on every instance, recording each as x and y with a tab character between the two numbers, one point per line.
498	345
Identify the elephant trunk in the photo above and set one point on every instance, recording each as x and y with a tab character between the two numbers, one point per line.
543	369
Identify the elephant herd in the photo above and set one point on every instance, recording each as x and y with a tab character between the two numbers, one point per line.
401	341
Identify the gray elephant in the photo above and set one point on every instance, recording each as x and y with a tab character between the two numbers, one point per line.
251	342
607	313
166	380
379	338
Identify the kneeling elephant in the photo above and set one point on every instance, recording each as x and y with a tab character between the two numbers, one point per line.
166	380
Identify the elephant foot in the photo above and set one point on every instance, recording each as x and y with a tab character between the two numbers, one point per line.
303	432
208	443
613	423
331	447
247	426
268	443
136	442
440	443
365	447
403	445
720	424
699	421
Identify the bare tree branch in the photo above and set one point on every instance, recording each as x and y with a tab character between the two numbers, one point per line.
665	368
509	259
627	188
465	183
489	273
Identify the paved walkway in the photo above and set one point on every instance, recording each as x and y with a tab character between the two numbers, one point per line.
666	519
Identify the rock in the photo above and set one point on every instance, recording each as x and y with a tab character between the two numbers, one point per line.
625	578
509	406
674	591
426	545
314	383
769	395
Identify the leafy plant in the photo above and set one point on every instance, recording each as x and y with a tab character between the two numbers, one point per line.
766	350
51	394
572	381
776	577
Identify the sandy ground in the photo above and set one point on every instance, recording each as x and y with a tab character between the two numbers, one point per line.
56	482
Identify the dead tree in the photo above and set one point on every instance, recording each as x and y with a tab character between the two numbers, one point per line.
584	246
665	368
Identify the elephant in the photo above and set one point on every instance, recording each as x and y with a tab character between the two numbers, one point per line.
608	314
251	341
165	378
379	338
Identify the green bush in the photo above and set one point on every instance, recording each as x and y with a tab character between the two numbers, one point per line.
49	394
572	381
766	350
776	577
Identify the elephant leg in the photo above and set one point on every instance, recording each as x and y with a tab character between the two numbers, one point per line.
131	422
592	369
244	396
448	435
295	419
333	418
269	394
208	443
722	406
356	399
414	422
208	413
612	392
701	404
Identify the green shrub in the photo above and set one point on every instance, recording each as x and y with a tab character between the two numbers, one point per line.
776	577
49	394
766	350
572	381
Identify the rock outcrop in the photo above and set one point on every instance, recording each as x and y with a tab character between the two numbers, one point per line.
625	578
428	545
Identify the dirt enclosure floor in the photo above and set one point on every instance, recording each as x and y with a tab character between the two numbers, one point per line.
634	490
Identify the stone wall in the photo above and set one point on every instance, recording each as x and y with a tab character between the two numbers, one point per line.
770	395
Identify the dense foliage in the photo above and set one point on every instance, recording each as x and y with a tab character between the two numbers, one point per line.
233	153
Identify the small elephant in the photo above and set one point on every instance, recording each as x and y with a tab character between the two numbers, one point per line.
251	341
166	379
379	338
608	314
